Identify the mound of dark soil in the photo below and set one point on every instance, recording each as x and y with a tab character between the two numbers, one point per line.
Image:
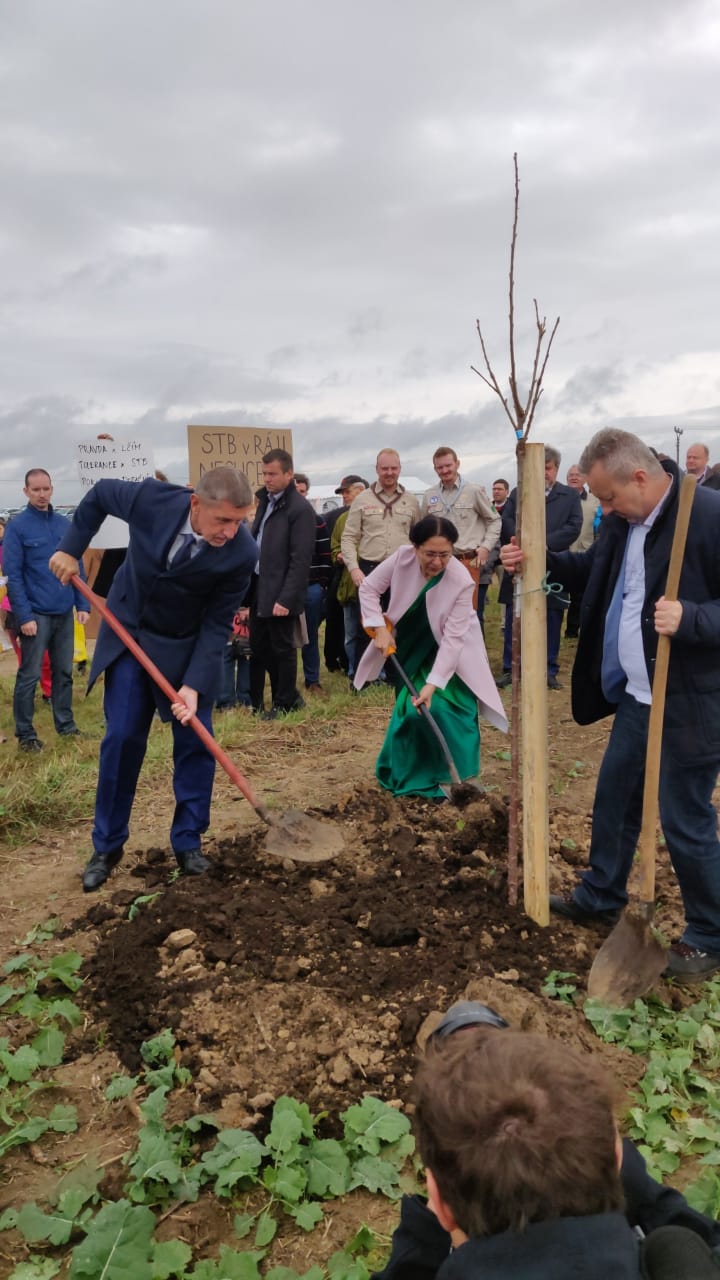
314	980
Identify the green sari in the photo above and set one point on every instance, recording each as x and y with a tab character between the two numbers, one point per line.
410	761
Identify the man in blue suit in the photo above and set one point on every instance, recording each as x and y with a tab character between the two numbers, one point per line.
188	565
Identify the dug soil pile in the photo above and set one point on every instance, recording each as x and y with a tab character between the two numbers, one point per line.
315	980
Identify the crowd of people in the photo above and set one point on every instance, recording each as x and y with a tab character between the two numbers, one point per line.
225	589
526	1172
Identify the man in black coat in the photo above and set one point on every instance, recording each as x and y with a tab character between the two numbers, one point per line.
623	575
563	522
284	529
697	463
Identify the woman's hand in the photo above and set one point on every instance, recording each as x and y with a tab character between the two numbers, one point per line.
383	640
185	708
424	697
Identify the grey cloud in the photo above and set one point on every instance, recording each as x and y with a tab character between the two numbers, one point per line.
297	211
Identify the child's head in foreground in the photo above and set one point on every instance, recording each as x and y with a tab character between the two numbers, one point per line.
514	1129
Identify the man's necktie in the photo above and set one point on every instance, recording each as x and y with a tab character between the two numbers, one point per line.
183	554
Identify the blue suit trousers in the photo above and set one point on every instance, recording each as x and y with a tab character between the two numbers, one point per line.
129	709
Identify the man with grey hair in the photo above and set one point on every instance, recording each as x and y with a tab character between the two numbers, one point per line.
188	565
623	575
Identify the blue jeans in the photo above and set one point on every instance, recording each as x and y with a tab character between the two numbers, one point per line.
314	614
688	819
235	686
55	632
353	631
129	709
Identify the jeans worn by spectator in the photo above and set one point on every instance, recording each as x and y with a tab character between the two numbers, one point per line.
353	631
55	632
235	687
314	614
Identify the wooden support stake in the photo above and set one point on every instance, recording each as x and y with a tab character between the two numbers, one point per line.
534	690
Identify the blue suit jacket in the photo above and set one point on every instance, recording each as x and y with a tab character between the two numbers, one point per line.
180	617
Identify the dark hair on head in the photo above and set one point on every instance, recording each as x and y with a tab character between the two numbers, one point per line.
36	471
225	484
433	527
503	482
553	456
516	1129
301	478
279	455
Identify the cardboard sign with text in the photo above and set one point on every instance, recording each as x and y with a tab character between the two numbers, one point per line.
239	447
128	458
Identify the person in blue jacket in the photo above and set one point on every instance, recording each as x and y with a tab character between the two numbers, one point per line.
43	610
188	565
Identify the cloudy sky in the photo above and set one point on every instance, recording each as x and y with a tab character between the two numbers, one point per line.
291	212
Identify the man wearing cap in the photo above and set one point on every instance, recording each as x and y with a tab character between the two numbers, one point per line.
346	591
378	523
334	648
470	510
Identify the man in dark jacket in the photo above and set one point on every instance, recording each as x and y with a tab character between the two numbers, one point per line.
284	529
697	463
563	522
43	610
522	1159
187	567
420	1245
624	610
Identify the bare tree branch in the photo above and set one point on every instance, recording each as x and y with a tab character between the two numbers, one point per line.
521	418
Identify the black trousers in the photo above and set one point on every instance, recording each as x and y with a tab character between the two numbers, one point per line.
334	647
273	649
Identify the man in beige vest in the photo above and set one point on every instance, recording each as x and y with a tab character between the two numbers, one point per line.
378	523
472	513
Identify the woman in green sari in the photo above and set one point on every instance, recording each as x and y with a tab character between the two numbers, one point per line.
440	645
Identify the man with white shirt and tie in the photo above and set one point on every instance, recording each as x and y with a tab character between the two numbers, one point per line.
285	529
624	609
188	566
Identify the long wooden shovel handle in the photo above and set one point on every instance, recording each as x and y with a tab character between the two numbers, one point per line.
647	844
164	685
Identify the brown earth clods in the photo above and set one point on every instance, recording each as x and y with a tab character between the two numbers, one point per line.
314	980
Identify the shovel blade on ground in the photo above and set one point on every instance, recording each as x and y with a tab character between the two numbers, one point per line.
629	962
293	834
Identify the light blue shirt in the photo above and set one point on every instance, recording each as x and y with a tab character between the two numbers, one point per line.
630	644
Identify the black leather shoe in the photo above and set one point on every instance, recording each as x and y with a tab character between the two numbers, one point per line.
74	733
30	744
553	683
505	680
98	869
564	904
192	862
